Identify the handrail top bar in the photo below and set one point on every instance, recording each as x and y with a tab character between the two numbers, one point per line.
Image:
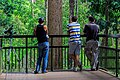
25	36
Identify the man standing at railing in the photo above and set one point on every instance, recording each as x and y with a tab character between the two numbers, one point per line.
91	49
41	32
74	42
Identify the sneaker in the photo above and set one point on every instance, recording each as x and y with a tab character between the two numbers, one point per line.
46	71
75	69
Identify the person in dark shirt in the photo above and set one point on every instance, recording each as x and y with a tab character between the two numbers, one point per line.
91	31
41	32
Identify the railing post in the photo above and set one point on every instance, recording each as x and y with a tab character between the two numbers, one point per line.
117	57
51	54
0	57
26	55
106	53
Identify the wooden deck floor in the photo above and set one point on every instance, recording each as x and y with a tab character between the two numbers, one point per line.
59	75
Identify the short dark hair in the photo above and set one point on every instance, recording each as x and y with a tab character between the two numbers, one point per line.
41	20
74	18
91	18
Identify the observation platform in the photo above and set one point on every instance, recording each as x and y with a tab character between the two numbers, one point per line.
26	53
60	75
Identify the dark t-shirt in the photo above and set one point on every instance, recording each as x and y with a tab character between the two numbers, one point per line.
41	34
91	31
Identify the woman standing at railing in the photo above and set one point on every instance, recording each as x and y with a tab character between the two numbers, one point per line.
41	32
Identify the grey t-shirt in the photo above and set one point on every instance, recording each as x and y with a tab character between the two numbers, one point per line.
91	30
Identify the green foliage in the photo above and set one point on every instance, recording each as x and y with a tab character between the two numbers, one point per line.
98	8
82	14
22	14
65	18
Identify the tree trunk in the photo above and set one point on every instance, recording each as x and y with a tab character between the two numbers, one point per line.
46	11
55	28
76	4
105	40
32	10
72	6
107	19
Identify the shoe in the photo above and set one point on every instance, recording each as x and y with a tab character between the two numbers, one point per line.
97	67
75	69
72	68
35	72
93	69
46	71
80	66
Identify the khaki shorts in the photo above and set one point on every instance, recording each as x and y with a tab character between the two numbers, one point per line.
74	48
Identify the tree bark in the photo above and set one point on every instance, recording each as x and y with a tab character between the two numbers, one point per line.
107	19
72	13
105	40
76	4
55	17
72	6
55	28
46	11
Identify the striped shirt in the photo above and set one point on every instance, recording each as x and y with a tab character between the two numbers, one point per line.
74	32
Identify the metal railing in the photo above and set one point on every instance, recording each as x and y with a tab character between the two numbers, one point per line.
109	56
23	53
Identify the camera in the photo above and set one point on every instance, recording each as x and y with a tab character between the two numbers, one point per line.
10	31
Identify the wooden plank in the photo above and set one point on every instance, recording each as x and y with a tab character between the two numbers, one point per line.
60	75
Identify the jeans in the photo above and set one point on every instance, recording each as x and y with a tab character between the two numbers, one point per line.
43	50
91	51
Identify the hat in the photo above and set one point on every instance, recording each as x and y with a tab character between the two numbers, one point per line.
41	20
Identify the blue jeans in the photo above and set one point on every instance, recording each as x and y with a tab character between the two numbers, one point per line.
43	50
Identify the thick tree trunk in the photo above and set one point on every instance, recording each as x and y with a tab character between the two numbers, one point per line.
55	17
55	28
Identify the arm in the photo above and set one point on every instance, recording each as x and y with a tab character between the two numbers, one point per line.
84	30
68	30
46	29
98	33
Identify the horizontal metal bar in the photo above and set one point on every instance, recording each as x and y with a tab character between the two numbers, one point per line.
32	36
108	57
